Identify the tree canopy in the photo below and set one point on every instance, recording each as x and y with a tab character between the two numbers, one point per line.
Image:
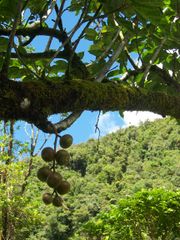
133	64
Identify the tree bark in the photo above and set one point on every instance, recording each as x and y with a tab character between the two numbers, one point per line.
34	101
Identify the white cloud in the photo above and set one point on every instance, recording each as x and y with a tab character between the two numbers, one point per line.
107	124
135	118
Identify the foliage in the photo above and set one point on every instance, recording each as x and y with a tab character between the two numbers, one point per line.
19	216
149	214
133	44
121	165
117	167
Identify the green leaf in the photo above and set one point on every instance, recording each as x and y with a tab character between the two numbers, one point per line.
3	44
60	66
90	34
6	12
113	73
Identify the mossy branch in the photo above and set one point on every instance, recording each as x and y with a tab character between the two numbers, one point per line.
35	101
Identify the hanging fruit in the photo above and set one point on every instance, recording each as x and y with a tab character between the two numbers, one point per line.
62	157
66	141
49	174
48	154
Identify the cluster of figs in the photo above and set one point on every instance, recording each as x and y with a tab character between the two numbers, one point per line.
49	174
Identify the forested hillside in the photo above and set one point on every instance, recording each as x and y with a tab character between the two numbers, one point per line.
101	173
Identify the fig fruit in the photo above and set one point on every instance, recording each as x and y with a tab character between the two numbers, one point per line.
48	154
47	198
43	173
66	141
54	179
57	201
63	187
62	157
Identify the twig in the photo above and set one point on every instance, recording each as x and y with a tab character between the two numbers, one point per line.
43	144
55	24
25	65
33	139
105	52
87	25
121	35
66	123
37	55
96	125
97	129
114	57
155	55
67	40
79	22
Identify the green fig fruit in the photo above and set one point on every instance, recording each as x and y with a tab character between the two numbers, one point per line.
66	141
48	154
47	198
62	157
63	187
43	173
57	201
54	179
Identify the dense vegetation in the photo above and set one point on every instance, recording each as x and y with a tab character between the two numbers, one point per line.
111	172
69	56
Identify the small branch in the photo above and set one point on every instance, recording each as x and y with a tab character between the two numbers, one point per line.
96	125
67	122
42	145
155	55
78	24
114	57
23	186
87	25
166	78
49	11
65	39
104	54
40	55
34	31
126	49
33	139
60	126
5	65
131	73
55	24
131	60
24	64
25	43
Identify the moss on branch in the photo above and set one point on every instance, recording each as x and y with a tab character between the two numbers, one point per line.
35	100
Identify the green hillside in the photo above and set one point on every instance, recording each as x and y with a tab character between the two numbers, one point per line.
133	158
101	173
118	165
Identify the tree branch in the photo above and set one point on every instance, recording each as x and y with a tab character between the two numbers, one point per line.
40	55
34	31
35	101
60	126
114	57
